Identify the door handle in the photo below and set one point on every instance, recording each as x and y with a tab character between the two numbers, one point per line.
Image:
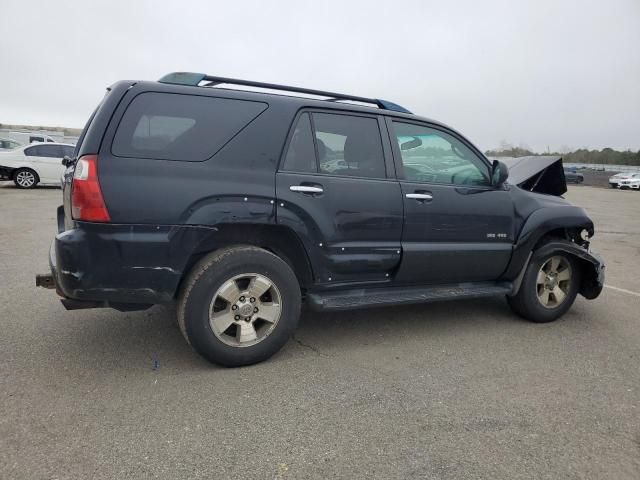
305	189
419	196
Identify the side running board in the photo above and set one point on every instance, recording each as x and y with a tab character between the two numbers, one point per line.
380	297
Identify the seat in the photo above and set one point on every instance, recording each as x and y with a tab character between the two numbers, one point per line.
363	155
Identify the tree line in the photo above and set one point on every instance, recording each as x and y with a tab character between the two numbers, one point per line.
607	156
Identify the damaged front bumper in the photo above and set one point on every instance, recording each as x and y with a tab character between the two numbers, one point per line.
593	267
6	173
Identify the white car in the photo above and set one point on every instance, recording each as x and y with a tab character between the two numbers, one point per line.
39	163
619	177
8	144
633	182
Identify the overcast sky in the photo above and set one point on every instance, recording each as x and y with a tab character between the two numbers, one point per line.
542	73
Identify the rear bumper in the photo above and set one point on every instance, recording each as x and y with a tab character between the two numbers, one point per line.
113	264
121	266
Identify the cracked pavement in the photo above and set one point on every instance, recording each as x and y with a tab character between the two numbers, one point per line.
446	391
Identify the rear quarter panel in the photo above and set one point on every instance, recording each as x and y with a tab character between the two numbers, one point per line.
236	185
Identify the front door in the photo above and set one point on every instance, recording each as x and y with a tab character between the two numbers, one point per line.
457	227
333	189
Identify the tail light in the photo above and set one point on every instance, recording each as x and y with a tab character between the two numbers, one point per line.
87	202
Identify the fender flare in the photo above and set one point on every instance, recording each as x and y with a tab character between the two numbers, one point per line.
593	267
539	224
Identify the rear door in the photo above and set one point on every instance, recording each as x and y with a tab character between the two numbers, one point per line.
46	161
457	227
336	191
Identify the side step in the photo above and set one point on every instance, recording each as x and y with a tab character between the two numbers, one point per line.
380	297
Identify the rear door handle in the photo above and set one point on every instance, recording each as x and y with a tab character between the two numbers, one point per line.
305	189
419	196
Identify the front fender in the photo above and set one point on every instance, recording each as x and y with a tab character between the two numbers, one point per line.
539	224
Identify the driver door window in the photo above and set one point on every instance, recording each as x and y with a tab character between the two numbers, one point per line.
432	156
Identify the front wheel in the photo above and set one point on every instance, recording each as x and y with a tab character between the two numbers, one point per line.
25	178
239	305
548	289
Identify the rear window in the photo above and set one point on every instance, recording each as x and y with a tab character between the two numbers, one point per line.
167	126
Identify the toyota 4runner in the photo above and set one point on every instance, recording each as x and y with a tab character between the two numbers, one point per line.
243	200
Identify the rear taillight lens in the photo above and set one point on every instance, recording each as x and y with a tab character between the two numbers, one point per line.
87	202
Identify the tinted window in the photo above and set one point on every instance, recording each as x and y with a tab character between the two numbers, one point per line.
301	155
50	151
349	145
180	127
68	151
31	152
429	155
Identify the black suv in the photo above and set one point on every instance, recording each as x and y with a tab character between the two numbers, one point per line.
242	205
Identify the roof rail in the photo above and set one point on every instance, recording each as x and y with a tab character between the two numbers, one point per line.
195	79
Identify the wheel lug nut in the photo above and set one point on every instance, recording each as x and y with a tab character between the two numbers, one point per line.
234	307
248	319
252	299
255	310
237	317
242	298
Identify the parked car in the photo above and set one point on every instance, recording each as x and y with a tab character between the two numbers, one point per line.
8	144
615	180
633	182
35	164
25	138
571	176
182	190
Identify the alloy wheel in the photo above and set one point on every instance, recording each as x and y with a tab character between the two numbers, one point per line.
553	281
25	179
245	310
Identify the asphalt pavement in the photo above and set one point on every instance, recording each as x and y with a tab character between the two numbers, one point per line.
454	390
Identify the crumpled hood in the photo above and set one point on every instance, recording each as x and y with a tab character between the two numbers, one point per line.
542	174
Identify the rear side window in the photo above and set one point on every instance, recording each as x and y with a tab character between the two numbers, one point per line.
343	145
51	151
301	156
191	128
349	145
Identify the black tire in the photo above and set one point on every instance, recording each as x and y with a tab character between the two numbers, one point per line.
202	284
26	173
526	303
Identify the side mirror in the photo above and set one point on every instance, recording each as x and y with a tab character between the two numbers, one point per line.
66	161
499	173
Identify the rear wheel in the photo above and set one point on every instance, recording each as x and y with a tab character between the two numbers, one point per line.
549	288
25	178
239	306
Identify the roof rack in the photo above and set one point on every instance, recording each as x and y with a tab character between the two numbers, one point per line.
196	79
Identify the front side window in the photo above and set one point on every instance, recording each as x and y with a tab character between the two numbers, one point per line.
67	151
190	128
432	156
